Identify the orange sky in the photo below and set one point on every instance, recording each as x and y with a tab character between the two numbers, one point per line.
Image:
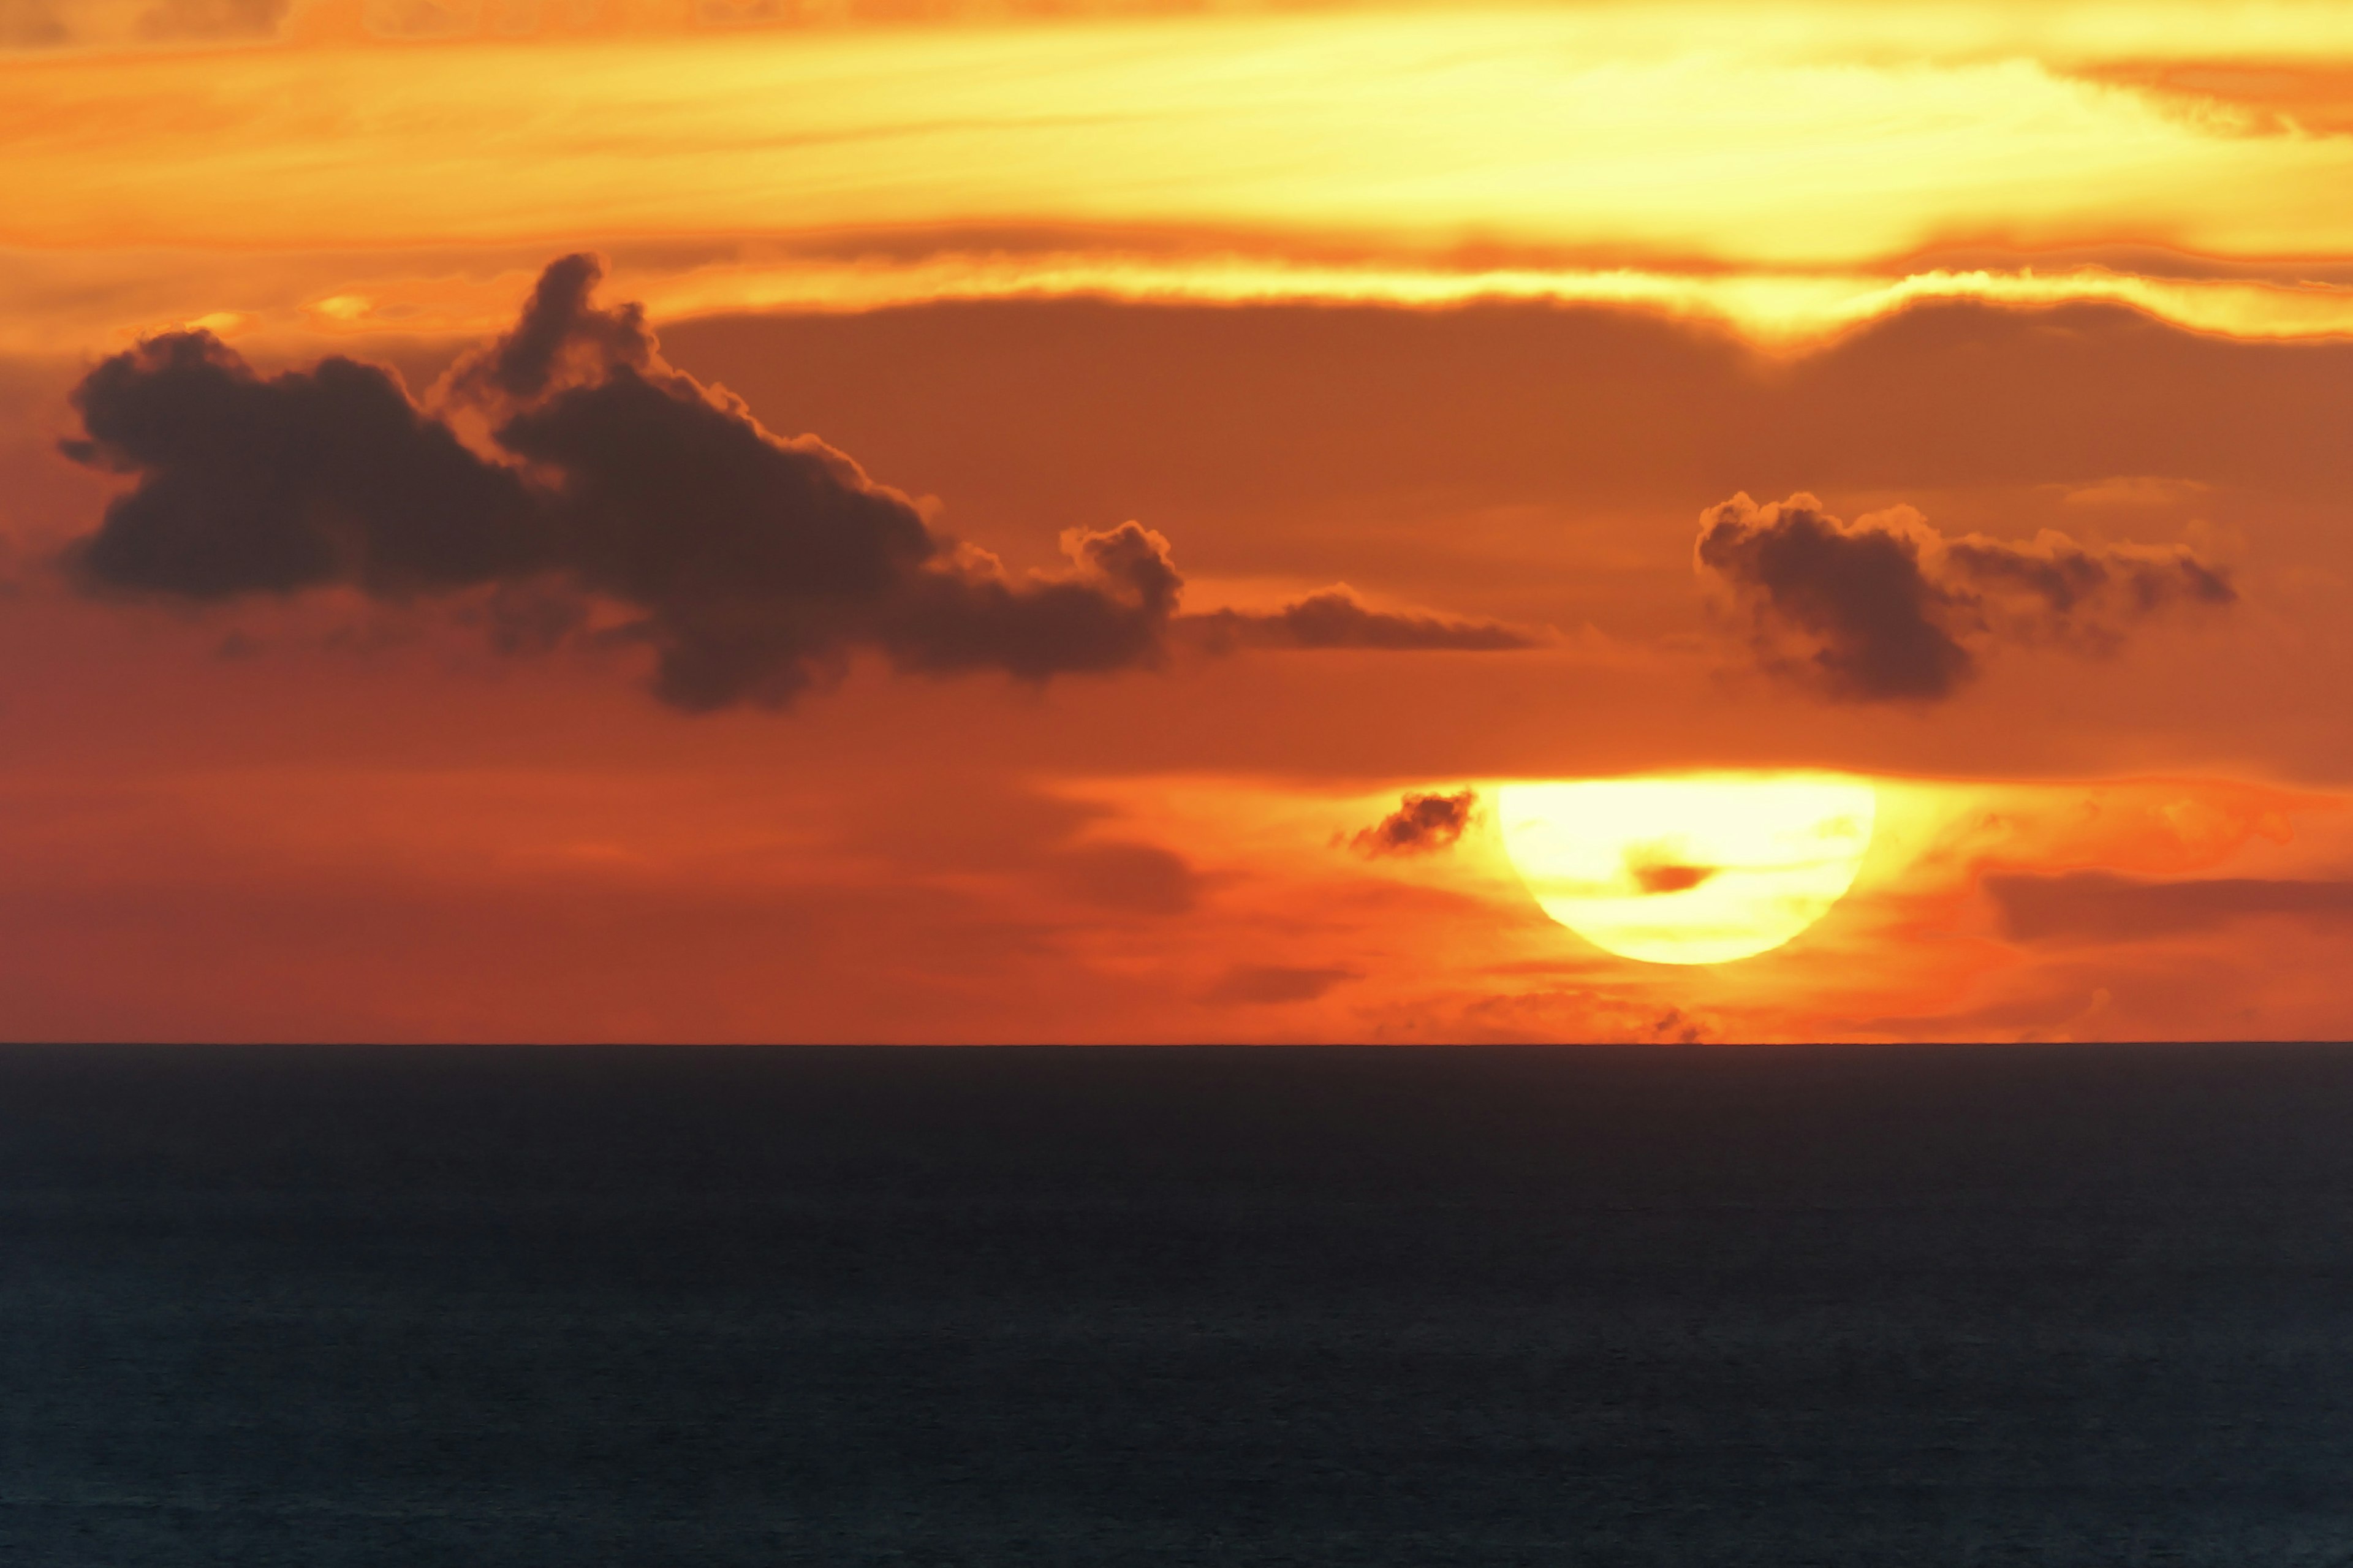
2019	331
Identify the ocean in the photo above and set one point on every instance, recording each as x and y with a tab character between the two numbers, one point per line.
565	1306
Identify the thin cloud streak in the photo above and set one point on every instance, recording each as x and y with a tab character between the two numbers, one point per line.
58	302
2100	906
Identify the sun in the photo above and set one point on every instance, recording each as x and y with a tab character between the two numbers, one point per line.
1694	869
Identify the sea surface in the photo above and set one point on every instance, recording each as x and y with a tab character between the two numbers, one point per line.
508	1307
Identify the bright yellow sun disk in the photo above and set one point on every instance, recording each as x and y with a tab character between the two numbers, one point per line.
1700	870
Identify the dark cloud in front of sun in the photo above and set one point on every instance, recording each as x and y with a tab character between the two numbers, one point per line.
1668	876
1888	609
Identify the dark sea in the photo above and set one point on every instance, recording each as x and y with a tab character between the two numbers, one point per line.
1894	1306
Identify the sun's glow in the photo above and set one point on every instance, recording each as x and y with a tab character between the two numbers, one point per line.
1701	870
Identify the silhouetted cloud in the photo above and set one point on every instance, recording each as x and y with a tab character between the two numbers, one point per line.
320	475
566	463
1887	608
1335	618
2099	906
561	338
1260	984
1422	823
755	563
1667	875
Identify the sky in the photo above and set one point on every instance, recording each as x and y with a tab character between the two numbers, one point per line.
884	521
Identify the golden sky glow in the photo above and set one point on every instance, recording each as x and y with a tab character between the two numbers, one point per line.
1447	126
1944	399
1811	151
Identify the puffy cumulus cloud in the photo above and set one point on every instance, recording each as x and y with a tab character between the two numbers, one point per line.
1336	618
566	466
561	337
1420	823
1886	608
2100	906
751	563
327	475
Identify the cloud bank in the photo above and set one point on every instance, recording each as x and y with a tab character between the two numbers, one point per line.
567	464
1887	610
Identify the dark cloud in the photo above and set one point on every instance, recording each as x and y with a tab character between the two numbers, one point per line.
560	337
266	486
565	464
755	564
1336	618
1886	608
2099	906
1422	823
1667	875
1271	984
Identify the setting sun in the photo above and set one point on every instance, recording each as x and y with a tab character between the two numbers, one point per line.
1688	871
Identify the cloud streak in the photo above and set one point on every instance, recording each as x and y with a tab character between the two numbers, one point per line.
1336	618
1887	610
2099	906
1267	986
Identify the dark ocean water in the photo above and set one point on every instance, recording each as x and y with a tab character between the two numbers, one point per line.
1888	1306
